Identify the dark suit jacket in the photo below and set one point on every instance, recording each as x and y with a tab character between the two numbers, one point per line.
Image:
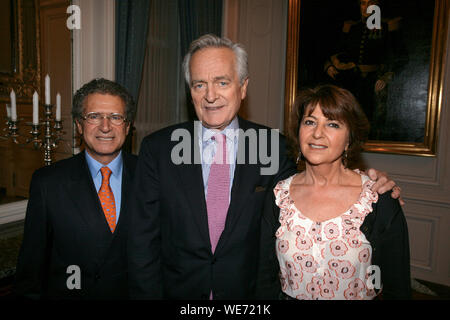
65	226
170	252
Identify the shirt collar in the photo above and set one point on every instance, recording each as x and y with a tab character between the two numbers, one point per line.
94	166
229	131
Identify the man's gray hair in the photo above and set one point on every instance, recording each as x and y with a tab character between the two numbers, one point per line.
213	41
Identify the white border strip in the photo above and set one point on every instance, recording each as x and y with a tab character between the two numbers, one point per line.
14	211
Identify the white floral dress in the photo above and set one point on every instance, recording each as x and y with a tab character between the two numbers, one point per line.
324	260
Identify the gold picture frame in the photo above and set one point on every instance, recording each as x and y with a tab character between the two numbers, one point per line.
432	110
23	57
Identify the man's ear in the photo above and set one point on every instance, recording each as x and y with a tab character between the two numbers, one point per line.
244	89
79	127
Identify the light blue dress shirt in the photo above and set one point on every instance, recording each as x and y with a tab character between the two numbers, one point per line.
115	180
208	148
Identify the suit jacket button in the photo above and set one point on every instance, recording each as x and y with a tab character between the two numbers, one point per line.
214	260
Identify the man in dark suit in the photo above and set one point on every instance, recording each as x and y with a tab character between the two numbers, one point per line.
200	188
76	225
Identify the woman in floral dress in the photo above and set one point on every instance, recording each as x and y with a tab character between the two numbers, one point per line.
334	237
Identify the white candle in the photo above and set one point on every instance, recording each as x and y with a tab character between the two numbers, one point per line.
8	111
47	89
35	108
13	106
58	107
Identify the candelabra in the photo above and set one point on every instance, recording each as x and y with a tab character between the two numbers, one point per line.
52	135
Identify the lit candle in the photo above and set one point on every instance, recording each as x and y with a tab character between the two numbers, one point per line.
35	108
47	89
58	107
8	111
13	106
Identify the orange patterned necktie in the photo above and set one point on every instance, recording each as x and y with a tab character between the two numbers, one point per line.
107	199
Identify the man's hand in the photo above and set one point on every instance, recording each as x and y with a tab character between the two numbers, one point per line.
383	184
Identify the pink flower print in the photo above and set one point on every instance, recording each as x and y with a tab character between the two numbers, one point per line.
290	213
289	224
279	232
326	292
351	232
315	232
338	248
299	231
283	278
303	243
352	213
290	267
283	246
314	287
342	268
353	292
354	242
308	264
331	230
364	255
298	257
283	201
357	284
302	296
330	281
370	293
282	218
295	278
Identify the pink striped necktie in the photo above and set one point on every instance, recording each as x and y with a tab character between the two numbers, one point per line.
218	195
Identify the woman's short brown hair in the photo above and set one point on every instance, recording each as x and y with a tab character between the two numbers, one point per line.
336	104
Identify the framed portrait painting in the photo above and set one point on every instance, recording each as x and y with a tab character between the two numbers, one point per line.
388	53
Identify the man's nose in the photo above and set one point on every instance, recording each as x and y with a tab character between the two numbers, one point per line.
105	124
211	94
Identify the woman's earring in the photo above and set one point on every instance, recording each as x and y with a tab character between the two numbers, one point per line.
345	158
299	157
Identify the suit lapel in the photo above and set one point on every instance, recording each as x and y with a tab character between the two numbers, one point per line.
126	190
84	196
192	181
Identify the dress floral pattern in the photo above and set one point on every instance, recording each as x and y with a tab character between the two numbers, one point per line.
324	260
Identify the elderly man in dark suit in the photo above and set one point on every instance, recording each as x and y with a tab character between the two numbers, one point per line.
76	224
200	188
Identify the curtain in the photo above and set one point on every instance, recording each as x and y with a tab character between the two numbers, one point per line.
173	24
131	31
159	97
197	17
132	18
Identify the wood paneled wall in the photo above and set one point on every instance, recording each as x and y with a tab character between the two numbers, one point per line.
44	48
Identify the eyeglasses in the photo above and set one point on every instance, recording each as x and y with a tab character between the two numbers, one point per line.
96	118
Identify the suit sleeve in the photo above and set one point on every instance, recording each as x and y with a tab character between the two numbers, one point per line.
395	256
32	264
287	166
268	282
144	243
